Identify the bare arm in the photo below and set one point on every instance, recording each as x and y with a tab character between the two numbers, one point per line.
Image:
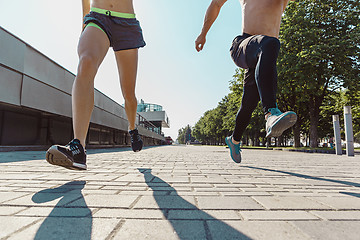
210	17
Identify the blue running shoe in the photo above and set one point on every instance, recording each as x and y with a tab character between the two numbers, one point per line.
234	150
277	122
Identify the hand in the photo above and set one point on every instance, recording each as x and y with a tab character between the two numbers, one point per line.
200	42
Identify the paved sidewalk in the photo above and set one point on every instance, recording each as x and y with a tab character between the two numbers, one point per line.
181	192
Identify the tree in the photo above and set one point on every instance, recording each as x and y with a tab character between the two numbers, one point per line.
183	134
320	44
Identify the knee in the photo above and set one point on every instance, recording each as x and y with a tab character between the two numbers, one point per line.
87	66
270	44
129	97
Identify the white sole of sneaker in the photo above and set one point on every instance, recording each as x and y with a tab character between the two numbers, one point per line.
282	124
55	157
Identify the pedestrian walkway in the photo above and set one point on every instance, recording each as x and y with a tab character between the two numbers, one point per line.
181	192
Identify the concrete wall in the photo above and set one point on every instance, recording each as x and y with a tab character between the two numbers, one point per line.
34	90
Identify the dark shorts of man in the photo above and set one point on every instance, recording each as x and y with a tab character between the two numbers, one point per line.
122	29
257	54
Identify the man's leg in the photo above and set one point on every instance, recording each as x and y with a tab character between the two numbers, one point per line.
127	61
266	73
92	48
265	50
249	102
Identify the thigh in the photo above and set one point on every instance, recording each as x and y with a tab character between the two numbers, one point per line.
127	61
252	49
93	44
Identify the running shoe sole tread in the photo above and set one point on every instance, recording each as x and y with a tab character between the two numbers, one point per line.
55	157
282	124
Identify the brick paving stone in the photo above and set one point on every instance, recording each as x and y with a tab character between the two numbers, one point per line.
340	203
228	203
277	215
203	215
289	203
161	230
43	199
166	202
181	192
338	215
63	228
10	225
7	210
130	213
55	212
254	230
102	200
330	230
6	196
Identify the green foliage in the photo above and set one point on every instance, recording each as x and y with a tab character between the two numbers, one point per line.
318	74
319	55
184	134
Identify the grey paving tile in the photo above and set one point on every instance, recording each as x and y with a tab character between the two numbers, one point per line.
6	196
330	230
10	225
277	215
254	230
102	200
166	202
7	210
289	203
338	215
263	198
130	213
43	199
55	212
165	230
340	203
235	203
203	215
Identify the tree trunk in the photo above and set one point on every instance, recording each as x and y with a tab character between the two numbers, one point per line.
314	110
296	131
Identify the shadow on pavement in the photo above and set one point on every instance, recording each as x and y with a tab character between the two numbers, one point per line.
307	176
65	223
351	194
193	228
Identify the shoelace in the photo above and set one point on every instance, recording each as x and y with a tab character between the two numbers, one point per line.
237	148
74	148
135	137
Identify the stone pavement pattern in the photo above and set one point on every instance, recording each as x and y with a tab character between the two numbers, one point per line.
181	192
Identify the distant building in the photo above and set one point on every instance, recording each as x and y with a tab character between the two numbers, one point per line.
153	114
35	104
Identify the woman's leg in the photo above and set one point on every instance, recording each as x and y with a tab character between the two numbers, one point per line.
92	48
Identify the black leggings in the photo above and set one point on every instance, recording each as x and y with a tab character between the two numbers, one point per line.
257	54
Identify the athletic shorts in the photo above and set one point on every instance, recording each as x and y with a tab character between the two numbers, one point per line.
238	49
123	30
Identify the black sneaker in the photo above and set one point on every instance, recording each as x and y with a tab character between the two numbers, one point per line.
136	142
71	156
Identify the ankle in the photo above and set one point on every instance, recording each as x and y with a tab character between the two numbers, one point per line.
234	141
267	115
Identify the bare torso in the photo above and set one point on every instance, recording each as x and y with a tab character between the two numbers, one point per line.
262	17
124	6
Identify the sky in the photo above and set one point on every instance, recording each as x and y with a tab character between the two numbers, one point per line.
171	72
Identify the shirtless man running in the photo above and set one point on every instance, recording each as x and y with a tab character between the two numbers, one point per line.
107	23
256	50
